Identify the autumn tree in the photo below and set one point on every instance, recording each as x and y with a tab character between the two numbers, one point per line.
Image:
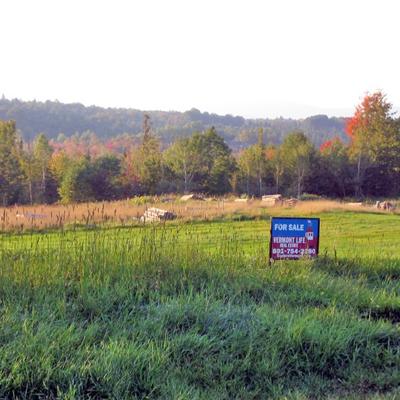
374	136
130	172
58	165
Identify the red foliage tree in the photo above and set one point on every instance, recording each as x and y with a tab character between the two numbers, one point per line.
372	135
373	109
327	145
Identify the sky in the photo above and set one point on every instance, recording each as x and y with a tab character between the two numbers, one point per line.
255	58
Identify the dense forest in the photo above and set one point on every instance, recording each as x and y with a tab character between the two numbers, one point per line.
59	121
86	168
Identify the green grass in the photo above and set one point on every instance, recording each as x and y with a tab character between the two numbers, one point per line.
193	311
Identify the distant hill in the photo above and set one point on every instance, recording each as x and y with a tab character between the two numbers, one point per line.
55	118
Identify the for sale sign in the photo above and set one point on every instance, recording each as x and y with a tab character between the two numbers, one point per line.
293	238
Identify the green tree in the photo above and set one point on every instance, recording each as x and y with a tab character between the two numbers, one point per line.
277	164
184	161
42	152
335	159
105	178
253	168
10	171
148	160
30	170
97	180
76	185
216	162
246	165
297	152
260	160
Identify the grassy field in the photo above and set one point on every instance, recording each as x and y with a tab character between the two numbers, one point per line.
191	310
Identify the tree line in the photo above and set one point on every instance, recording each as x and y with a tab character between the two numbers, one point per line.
367	164
60	121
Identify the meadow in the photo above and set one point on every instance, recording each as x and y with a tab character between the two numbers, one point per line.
190	309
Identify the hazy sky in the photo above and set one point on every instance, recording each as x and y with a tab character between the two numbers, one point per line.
253	58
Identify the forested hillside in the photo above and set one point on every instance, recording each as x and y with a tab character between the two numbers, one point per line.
85	168
57	121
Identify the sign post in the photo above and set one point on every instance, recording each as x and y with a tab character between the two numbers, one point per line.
293	238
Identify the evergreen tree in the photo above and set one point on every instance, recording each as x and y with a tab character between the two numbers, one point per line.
148	160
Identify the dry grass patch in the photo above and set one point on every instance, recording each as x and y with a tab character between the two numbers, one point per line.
128	212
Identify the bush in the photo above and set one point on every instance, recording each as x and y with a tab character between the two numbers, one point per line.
310	196
143	200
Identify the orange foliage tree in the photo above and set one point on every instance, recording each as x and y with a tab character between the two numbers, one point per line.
373	136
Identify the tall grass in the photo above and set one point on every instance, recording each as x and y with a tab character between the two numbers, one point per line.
194	312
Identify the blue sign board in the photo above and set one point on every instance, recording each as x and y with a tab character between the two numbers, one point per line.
294	238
